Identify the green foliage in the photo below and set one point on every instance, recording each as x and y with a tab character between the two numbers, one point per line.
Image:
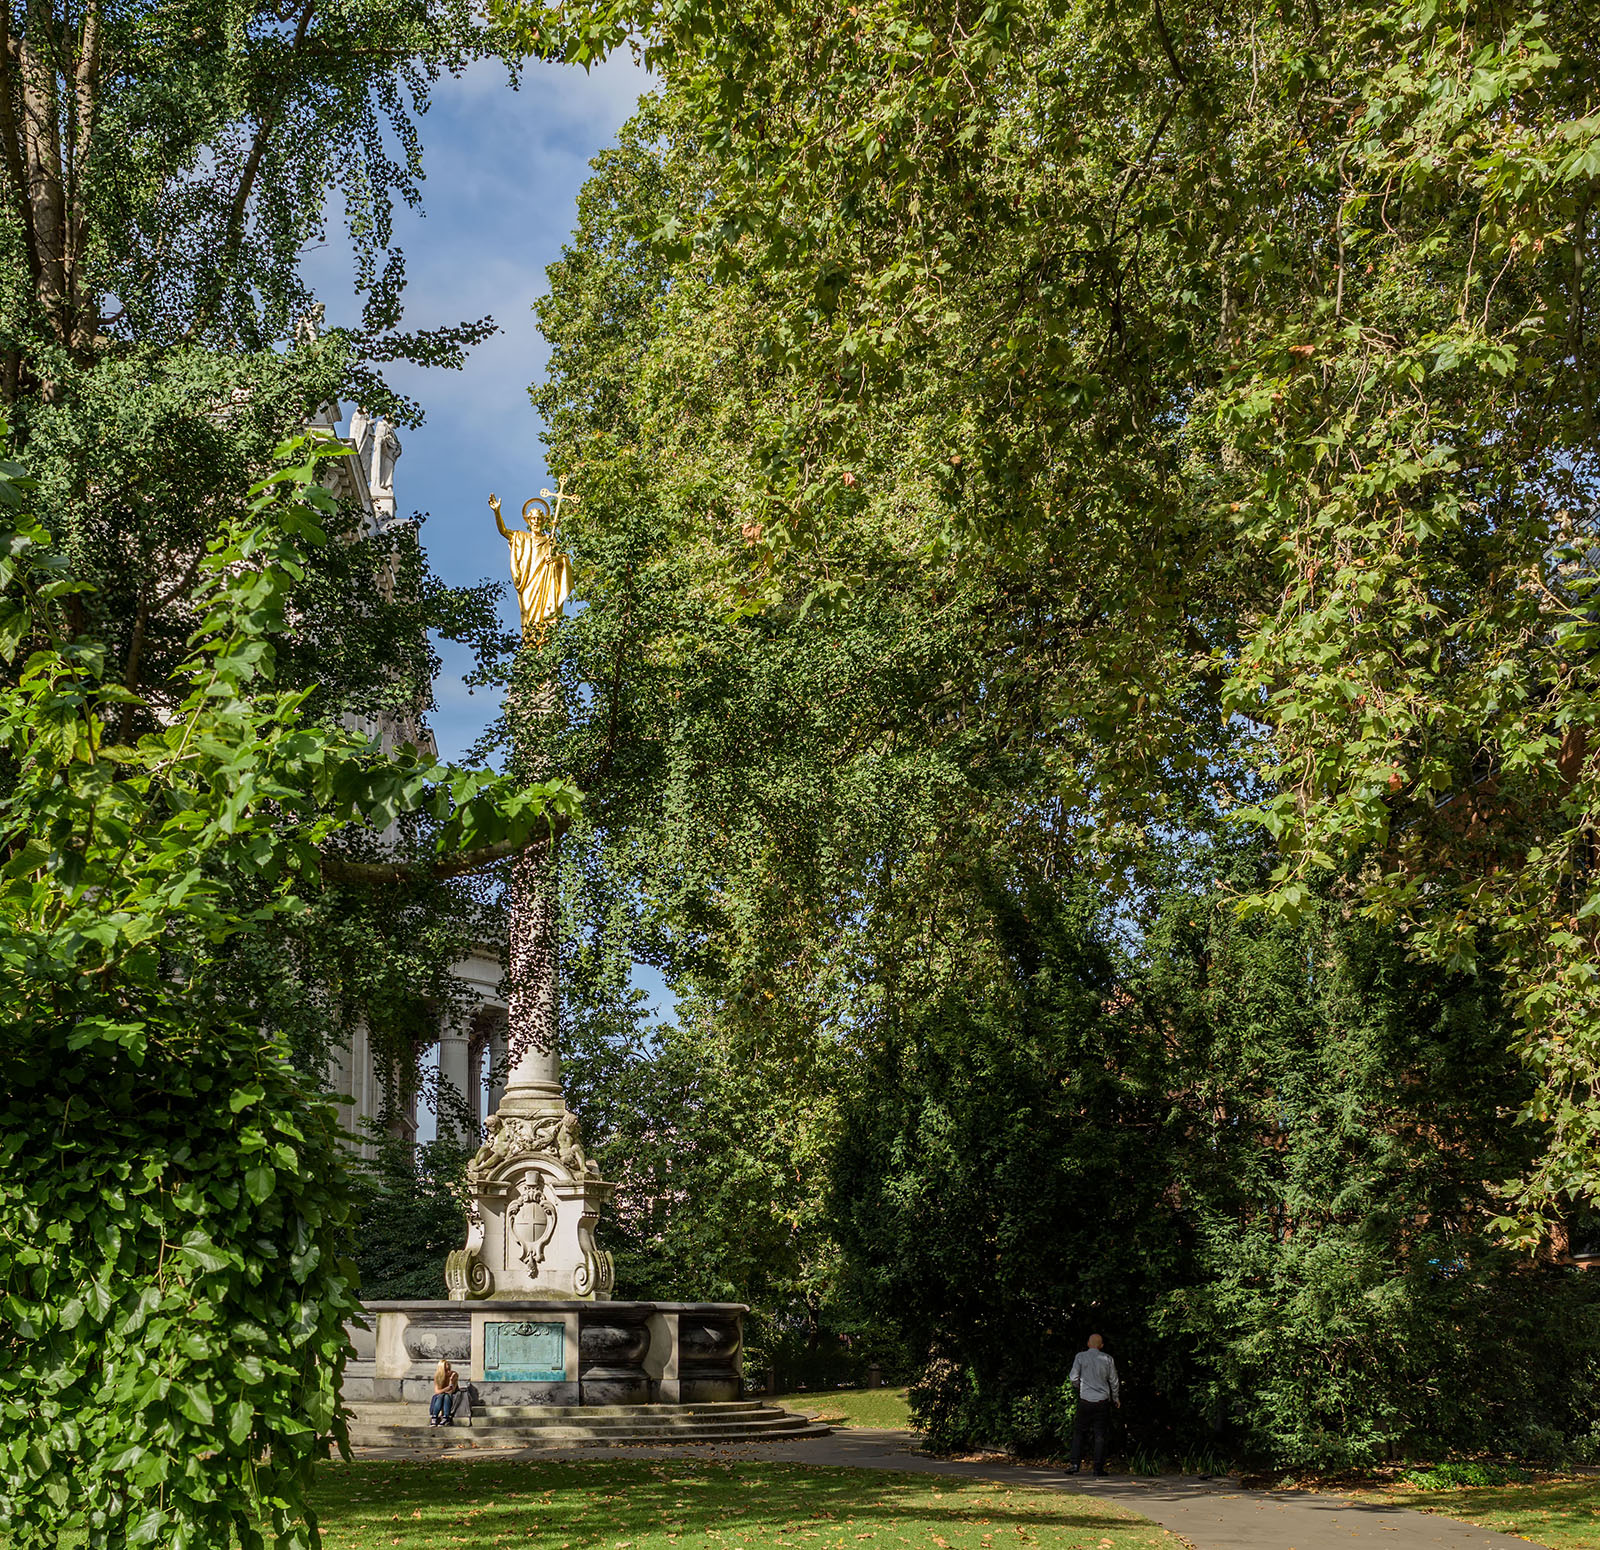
1002	1173
1446	1477
411	1201
721	1155
174	1218
158	340
1343	1199
190	153
1291	1252
1018	443
1251	349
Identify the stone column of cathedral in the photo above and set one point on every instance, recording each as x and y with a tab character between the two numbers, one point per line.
455	1070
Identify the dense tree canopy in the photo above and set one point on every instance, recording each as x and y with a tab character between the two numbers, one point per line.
163	169
1034	457
210	879
173	1209
1245	353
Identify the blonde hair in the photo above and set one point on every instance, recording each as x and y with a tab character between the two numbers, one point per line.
441	1373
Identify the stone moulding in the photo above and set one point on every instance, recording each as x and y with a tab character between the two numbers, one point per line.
609	1353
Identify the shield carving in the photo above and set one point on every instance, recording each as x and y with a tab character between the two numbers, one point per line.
531	1220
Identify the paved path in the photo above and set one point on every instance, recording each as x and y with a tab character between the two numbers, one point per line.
1213	1515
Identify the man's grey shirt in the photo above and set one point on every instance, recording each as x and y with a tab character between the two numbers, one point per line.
1094	1376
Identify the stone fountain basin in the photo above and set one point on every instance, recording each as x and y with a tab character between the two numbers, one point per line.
553	1352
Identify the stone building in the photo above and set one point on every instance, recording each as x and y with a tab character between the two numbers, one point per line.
470	1055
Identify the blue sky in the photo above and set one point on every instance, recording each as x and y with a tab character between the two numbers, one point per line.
503	172
500	198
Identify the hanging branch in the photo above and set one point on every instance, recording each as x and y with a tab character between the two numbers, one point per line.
378	874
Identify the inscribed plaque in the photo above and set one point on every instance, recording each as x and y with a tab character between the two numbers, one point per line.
524	1353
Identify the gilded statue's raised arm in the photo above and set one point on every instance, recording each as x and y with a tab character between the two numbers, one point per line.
505	532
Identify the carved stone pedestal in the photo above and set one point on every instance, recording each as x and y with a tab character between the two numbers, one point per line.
536	1199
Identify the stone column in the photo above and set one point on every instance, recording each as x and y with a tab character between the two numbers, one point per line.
536	1194
455	1081
533	1085
497	1063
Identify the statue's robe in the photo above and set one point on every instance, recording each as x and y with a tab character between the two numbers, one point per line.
542	576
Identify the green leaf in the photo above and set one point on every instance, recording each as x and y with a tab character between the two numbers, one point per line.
194	1403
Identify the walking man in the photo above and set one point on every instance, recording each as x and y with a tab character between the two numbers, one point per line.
1094	1380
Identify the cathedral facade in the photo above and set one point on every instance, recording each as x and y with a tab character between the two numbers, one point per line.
464	1074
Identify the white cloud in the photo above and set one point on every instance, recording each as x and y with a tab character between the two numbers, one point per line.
504	169
599	98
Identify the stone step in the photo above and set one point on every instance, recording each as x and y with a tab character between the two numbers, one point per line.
567	1436
507	1426
611	1423
664	1414
729	1407
778	1418
395	1413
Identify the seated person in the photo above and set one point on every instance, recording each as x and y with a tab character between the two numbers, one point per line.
446	1395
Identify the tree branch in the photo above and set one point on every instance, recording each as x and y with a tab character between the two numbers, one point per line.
42	147
381	874
86	98
234	236
1166	44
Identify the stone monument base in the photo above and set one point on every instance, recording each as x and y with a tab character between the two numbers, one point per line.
519	1352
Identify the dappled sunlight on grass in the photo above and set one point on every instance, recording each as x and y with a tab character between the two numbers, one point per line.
654	1504
853	1407
1563	1513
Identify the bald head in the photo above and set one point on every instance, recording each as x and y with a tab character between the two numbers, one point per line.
1096	1343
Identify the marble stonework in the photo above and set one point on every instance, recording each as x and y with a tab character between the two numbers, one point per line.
612	1353
536	1198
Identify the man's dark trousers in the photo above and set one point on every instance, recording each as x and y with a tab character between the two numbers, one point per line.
1095	1413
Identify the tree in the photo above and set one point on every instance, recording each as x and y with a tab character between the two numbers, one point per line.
1256	348
917	614
1347	1118
174	1221
176	160
410	1204
1260	1159
162	170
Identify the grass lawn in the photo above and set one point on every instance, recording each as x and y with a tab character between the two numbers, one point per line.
1562	1513
647	1504
853	1407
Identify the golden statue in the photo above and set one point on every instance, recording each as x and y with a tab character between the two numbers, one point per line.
541	573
